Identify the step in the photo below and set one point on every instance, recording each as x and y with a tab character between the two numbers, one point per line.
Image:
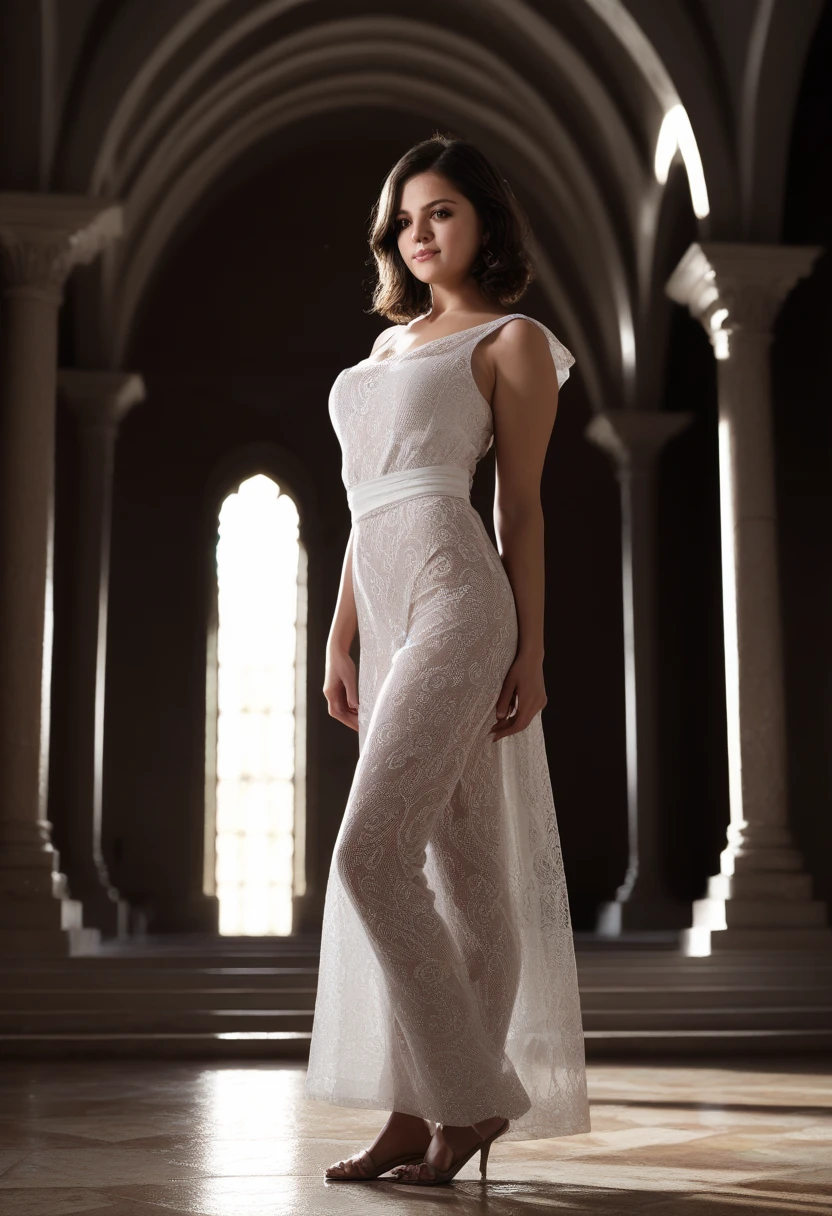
600	1045
675	977
289	1045
669	1044
719	1018
161	1020
156	962
207	979
712	996
22	944
113	1000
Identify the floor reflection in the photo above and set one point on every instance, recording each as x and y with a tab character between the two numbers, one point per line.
130	1138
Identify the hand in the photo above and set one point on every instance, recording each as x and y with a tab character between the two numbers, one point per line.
340	688
523	693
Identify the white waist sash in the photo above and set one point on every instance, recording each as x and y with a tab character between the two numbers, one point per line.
392	487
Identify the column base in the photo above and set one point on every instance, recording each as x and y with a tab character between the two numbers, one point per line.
37	916
641	916
105	912
48	943
756	909
104	909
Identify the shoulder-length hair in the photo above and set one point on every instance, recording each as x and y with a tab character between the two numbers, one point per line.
503	277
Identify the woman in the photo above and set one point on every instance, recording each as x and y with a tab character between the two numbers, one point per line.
447	989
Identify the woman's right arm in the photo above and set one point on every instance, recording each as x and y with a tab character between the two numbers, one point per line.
340	683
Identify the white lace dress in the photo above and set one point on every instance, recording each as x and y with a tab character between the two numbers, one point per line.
447	984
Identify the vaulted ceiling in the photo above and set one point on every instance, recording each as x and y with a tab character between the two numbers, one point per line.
605	114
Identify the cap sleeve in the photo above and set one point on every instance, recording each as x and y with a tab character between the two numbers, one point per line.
562	358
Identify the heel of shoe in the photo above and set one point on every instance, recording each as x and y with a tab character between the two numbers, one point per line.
484	1151
486	1148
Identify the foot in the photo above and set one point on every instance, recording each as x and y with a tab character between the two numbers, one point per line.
400	1136
449	1143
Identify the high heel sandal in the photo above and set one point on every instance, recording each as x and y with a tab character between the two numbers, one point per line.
364	1155
440	1176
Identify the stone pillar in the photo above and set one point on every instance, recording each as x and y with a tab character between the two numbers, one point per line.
99	401
762	896
634	440
41	238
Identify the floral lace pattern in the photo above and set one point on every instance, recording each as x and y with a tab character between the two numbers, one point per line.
447	984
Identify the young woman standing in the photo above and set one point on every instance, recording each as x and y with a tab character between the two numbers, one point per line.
447	988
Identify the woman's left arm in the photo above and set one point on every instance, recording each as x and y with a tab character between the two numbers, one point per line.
524	406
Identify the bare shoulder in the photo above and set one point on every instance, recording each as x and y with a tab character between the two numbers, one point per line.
521	336
520	348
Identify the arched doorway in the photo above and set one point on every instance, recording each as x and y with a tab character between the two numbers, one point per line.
256	673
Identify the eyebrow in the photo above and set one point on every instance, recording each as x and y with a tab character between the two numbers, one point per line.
402	211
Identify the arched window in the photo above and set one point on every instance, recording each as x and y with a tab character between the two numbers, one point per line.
257	659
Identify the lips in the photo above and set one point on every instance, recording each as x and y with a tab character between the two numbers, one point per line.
424	255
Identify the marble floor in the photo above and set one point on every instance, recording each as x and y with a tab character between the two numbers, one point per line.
133	1138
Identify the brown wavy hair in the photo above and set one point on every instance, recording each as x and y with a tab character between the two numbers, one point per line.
398	295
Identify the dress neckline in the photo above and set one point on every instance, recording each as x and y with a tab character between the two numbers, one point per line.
444	338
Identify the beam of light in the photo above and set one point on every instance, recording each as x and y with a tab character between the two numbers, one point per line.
719	336
732	663
676	134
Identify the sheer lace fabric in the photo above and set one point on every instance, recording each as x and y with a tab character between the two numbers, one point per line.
447	984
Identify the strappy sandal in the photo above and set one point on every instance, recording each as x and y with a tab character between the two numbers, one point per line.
436	1177
365	1163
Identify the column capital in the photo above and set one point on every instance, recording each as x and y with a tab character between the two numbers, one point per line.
634	438
100	400
737	286
43	236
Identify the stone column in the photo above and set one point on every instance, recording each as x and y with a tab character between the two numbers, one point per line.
762	896
41	238
634	440
99	401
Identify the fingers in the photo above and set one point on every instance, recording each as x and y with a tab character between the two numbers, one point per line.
506	710
343	706
518	724
507	702
512	725
352	722
349	716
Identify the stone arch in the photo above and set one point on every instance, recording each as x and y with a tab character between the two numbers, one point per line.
198	83
668	55
779	44
179	89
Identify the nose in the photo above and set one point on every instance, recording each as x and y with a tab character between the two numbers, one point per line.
420	232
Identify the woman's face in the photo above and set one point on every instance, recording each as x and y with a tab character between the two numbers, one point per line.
436	217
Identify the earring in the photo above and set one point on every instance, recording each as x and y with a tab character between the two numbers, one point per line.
488	257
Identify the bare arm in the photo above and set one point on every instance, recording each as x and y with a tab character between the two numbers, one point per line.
340	684
524	406
345	620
